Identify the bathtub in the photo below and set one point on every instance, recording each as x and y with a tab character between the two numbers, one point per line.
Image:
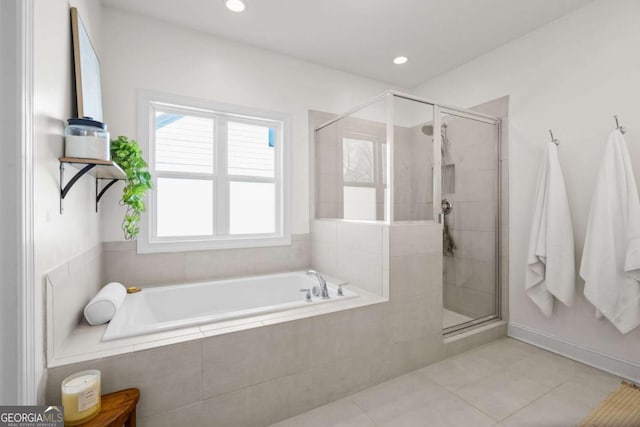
164	308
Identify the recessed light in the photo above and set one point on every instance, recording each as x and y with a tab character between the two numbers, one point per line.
235	5
399	60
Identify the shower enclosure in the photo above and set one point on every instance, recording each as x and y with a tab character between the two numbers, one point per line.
401	158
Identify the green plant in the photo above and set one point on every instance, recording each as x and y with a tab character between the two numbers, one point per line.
127	154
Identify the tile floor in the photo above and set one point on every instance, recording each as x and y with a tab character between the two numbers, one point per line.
452	318
505	383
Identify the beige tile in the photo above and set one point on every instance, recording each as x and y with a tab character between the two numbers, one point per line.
475	245
324	258
231	362
461	370
415	238
260	404
328	188
476	185
475	216
279	399
465	341
476	304
348	333
324	231
296	256
413	274
132	269
446	411
415	318
168	377
391	399
62	316
203	265
590	386
341	413
363	269
405	356
333	380
547	369
360	236
556	408
190	415
505	351
237	360
231	409
329	210
478	275
502	394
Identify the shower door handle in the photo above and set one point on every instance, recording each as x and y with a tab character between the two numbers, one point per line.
441	218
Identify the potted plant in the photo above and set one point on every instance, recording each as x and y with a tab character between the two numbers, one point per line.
128	155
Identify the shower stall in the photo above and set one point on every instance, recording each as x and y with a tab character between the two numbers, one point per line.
401	158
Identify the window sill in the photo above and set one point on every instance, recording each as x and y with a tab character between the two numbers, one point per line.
145	247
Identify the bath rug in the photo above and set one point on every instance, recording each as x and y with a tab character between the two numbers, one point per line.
620	409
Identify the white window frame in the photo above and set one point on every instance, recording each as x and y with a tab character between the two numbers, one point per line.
148	242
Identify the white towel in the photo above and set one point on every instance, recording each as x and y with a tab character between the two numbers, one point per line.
551	268
610	263
105	304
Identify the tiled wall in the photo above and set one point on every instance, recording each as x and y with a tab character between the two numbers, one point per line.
123	264
258	376
68	288
351	251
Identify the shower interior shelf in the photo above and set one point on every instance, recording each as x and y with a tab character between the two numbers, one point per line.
102	170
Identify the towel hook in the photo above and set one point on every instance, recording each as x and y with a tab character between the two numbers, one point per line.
555	141
620	128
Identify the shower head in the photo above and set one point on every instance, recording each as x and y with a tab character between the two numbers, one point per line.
428	129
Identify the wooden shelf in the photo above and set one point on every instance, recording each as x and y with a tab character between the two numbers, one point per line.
99	169
116	409
104	169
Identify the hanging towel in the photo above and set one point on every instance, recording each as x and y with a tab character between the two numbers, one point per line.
610	263
551	271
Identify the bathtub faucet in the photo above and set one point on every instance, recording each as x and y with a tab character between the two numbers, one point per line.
321	290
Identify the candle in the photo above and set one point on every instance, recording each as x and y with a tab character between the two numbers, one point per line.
81	397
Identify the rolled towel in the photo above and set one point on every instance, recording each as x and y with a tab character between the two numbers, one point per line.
105	304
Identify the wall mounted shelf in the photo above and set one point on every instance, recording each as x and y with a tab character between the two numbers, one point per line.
105	170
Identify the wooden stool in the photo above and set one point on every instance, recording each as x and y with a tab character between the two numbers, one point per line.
116	409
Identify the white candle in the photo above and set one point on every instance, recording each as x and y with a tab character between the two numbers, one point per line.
81	397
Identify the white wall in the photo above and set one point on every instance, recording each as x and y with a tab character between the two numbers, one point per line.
570	76
140	52
58	238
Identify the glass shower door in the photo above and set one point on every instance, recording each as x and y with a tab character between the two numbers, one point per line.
469	209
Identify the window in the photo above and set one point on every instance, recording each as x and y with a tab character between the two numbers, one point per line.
220	175
363	157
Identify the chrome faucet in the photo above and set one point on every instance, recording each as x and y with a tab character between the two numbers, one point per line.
322	290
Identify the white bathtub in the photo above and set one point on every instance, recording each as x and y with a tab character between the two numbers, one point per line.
165	308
